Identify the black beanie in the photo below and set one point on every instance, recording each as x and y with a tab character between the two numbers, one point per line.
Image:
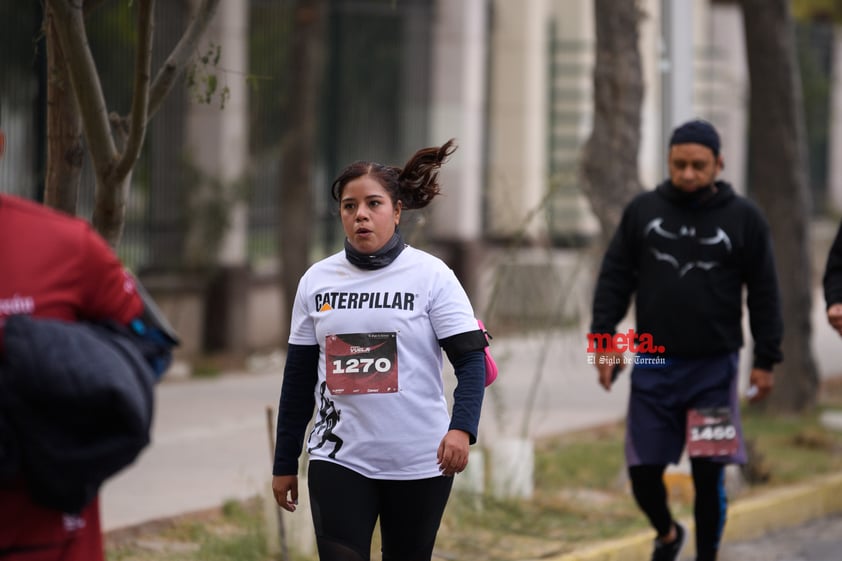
696	132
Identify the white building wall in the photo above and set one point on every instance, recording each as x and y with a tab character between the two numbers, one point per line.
459	102
693	65
217	138
569	117
727	104
678	22
517	116
574	24
652	54
217	141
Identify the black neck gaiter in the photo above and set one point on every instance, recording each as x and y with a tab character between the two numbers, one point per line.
379	259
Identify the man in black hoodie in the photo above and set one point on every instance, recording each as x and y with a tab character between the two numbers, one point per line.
686	250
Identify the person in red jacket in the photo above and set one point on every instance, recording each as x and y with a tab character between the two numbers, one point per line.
55	266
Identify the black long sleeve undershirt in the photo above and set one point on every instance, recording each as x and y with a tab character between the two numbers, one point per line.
470	389
296	406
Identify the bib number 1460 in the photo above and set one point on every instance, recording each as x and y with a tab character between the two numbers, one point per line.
713	433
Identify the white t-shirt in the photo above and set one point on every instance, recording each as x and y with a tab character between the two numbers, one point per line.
380	404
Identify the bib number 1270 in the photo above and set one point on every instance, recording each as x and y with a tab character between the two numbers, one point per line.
361	365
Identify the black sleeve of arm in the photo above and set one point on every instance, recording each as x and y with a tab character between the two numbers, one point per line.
470	389
616	282
296	406
833	272
764	300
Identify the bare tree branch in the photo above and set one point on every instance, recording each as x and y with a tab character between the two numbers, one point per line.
114	141
140	97
180	55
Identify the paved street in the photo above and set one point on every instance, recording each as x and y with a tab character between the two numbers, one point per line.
819	540
209	444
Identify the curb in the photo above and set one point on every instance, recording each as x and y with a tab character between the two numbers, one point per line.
747	519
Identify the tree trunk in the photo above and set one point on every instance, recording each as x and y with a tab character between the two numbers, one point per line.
114	166
110	202
65	151
609	162
305	71
779	183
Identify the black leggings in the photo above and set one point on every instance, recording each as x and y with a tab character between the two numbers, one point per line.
346	506
709	507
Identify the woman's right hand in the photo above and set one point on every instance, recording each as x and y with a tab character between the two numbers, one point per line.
285	489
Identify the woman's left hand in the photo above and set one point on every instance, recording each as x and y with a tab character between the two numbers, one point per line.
453	452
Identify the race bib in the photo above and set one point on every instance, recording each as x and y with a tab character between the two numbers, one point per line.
361	363
710	433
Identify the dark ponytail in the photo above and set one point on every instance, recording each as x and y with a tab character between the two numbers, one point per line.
415	185
419	178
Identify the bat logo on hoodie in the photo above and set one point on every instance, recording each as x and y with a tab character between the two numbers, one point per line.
687	249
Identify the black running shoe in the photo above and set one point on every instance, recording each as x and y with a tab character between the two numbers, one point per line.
670	551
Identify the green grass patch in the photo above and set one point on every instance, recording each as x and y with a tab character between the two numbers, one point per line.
235	533
591	459
792	448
